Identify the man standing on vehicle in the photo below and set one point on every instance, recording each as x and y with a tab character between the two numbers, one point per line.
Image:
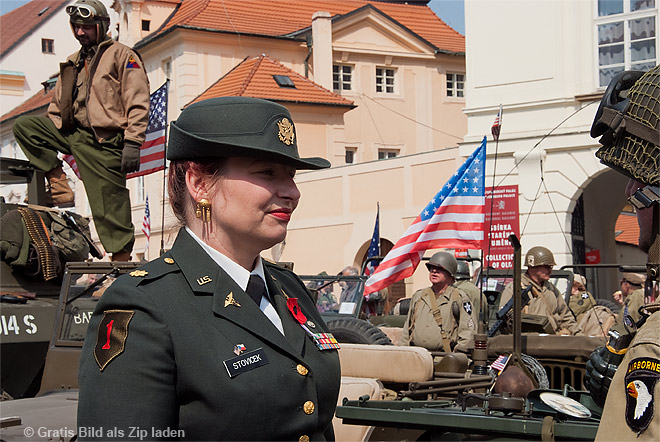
440	317
98	114
628	120
545	298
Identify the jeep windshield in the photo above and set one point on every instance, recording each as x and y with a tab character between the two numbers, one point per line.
341	295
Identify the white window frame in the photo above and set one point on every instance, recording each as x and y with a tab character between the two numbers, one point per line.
340	79
139	189
453	82
387	153
386	87
625	17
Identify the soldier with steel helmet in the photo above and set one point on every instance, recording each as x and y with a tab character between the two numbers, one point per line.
98	114
625	373
441	317
464	283
545	300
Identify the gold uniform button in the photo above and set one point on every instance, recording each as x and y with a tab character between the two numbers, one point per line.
302	370
169	260
308	407
303	438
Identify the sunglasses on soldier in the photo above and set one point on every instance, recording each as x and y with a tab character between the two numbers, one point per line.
83	11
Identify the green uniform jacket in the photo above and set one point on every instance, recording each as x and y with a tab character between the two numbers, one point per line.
581	303
627	410
188	317
477	298
546	301
421	328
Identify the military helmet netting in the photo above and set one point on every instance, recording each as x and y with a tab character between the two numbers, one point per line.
631	152
539	256
462	270
444	260
238	126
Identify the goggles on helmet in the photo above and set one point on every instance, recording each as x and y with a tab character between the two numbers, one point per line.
85	12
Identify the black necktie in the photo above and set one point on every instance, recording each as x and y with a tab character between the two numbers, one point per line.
256	288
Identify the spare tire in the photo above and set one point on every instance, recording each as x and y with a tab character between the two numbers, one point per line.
357	331
616	308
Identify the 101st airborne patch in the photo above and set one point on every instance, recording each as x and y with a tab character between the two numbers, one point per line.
641	377
111	336
286	133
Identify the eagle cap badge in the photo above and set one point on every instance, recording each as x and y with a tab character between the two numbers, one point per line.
286	132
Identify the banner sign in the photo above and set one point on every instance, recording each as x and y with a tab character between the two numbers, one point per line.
505	220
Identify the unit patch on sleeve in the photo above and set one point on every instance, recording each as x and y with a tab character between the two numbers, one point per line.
111	336
467	307
132	63
641	377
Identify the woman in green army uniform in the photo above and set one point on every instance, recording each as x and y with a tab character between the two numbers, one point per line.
210	341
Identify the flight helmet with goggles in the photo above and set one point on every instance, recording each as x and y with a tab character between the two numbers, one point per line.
90	12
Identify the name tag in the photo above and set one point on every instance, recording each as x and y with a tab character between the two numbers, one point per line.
245	362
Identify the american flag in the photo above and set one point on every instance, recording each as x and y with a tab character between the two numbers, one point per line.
146	221
152	152
500	363
497	125
453	219
374	247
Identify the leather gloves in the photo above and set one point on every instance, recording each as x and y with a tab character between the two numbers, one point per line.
602	365
130	157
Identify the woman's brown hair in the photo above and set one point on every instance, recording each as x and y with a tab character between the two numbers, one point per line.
180	199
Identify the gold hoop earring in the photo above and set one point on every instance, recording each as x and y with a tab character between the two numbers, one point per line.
203	210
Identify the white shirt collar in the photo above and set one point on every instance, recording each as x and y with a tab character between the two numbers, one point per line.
239	274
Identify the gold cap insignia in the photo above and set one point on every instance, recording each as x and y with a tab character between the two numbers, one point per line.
169	260
286	133
229	300
139	273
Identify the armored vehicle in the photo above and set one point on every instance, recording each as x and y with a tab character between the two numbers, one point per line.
35	242
51	415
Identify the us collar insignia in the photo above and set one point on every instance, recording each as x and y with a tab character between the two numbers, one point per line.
641	377
229	300
239	348
138	273
286	133
204	280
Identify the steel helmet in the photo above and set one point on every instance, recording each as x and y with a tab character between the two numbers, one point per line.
462	270
444	260
90	12
539	256
628	120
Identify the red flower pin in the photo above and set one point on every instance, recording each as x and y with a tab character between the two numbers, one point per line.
292	305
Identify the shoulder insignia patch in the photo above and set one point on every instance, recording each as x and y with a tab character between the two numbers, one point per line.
132	63
467	306
641	377
585	295
136	273
111	336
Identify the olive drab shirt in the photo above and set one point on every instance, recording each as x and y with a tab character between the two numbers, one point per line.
581	303
632	407
178	347
546	301
477	298
422	330
631	305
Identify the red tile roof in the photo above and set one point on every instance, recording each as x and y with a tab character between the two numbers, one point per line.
17	24
277	18
253	77
38	100
626	229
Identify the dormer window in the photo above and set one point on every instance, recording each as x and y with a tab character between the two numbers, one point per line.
284	81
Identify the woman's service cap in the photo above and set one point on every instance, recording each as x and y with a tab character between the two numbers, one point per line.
238	126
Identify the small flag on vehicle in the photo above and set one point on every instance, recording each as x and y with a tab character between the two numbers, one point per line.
500	363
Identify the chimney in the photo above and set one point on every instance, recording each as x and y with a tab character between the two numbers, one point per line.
322	48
